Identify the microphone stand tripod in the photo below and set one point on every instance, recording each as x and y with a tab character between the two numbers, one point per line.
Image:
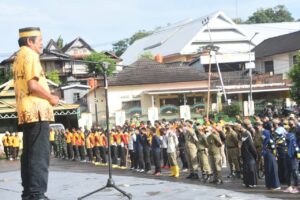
110	182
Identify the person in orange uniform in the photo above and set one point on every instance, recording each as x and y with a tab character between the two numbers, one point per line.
89	142
103	147
52	141
123	148
10	145
69	136
81	144
97	145
5	144
113	148
75	144
16	146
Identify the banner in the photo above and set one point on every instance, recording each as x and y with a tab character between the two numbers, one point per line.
185	112
120	118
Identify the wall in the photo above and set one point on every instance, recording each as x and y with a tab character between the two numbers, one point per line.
119	94
68	94
282	62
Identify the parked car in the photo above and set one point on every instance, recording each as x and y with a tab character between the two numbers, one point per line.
57	126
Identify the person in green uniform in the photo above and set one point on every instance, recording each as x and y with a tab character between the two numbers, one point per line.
214	151
203	153
191	143
232	144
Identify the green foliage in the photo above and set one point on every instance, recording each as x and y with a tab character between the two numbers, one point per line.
120	47
238	20
60	42
100	57
269	15
232	110
54	76
147	54
294	75
139	35
5	74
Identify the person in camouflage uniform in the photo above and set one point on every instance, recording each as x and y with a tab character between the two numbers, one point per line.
232	144
61	143
57	143
64	152
214	150
191	143
203	153
258	143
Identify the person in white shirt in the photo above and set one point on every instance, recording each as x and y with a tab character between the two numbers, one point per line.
172	143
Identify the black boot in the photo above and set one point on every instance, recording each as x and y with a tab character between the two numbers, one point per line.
190	176
195	176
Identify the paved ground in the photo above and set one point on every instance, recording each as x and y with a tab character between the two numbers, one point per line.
69	180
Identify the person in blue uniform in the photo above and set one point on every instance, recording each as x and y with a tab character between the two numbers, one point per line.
271	168
292	161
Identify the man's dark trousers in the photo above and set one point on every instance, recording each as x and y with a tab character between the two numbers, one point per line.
35	160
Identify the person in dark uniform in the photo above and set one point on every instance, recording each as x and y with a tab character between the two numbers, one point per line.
146	149
140	151
249	155
271	168
155	145
181	147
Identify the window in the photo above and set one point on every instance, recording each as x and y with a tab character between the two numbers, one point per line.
294	59
269	67
76	97
173	101
130	104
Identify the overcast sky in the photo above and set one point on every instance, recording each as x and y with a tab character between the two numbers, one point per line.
101	23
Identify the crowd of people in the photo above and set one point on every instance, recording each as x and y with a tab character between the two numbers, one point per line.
250	147
11	144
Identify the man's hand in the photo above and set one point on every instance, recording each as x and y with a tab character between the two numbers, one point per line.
53	100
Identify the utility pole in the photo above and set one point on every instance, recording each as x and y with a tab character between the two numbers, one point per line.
250	67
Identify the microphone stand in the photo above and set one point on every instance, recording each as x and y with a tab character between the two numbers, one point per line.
110	182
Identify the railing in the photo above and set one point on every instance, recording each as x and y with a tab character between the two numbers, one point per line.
238	78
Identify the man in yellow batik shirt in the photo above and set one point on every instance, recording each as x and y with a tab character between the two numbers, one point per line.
34	106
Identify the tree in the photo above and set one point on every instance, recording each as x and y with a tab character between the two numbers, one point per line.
5	74
269	15
120	47
238	20
54	76
60	42
147	54
294	75
139	35
100	57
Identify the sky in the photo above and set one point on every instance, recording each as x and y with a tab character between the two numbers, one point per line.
101	23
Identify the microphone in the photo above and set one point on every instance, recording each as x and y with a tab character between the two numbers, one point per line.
48	51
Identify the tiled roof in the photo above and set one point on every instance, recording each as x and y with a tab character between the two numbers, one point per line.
85	44
146	71
277	45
